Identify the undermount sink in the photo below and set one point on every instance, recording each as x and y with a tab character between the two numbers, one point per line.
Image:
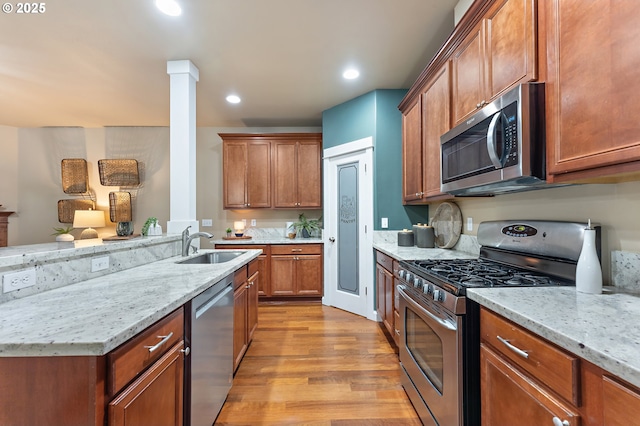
213	257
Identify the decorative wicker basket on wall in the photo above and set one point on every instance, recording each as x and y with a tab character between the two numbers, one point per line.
120	207
120	172
67	209
75	178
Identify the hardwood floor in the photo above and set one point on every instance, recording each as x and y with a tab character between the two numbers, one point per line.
316	365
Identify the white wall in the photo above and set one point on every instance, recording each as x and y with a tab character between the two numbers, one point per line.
460	9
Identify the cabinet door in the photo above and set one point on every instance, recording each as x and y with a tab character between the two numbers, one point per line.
412	153
239	324
510	45
252	305
263	279
591	86
258	174
155	398
380	291
469	88
510	397
436	120
282	275
234	175
309	174
284	175
388	302
621	403
309	275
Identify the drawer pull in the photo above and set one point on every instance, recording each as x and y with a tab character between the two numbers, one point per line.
558	422
296	250
186	351
519	351
164	340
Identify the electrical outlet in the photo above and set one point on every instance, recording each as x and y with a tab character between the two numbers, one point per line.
17	280
384	223
469	224
99	263
253	222
207	222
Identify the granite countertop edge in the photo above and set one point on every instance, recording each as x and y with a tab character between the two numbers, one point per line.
106	311
268	240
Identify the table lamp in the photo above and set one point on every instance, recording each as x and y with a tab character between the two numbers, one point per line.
88	219
238	225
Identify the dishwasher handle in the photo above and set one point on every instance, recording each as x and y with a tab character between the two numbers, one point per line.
200	310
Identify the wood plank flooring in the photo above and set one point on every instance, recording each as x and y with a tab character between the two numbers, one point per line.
316	365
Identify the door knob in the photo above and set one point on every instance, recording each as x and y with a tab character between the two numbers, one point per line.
332	239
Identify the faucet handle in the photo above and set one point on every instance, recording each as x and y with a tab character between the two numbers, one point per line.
185	233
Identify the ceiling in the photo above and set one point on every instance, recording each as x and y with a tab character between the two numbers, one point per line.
97	63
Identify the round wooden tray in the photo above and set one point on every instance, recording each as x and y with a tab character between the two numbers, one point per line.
447	225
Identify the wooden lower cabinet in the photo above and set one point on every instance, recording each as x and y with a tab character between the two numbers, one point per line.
549	382
386	292
511	397
156	397
296	270
245	309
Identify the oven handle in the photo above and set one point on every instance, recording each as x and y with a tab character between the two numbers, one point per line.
413	304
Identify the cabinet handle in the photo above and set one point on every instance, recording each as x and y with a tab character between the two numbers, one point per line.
186	351
558	422
296	250
248	204
397	331
519	351
164	340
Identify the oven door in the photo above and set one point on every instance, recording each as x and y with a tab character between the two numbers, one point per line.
431	356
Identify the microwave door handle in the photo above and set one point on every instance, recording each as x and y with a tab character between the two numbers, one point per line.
491	141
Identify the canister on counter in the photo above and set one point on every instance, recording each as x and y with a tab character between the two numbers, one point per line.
405	238
424	236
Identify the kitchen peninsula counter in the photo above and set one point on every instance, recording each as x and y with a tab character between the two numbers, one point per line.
602	329
94	316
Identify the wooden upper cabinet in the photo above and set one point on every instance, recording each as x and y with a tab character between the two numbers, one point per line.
246	173
498	54
297	172
436	120
591	86
412	153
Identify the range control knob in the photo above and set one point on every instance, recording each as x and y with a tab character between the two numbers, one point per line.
417	282
428	289
401	273
408	277
438	295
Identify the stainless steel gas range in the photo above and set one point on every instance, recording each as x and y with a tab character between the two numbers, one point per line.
439	326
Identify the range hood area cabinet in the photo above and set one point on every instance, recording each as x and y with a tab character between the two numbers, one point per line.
279	170
492	50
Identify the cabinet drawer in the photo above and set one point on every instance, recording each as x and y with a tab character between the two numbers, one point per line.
385	261
133	357
252	267
621	403
296	249
550	365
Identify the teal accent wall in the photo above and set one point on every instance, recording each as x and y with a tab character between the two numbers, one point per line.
376	114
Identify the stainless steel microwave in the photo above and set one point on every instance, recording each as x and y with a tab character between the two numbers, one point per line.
499	149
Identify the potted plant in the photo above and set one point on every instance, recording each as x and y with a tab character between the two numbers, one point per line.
152	221
63	234
306	227
229	231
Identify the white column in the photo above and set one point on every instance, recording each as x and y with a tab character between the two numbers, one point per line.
182	135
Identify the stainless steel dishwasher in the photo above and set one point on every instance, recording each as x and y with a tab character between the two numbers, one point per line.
209	366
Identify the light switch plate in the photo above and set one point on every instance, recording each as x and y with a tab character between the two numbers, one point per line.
253	222
207	222
385	223
469	224
99	263
18	280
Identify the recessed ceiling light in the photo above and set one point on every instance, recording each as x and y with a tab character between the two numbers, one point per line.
350	74
233	99
169	7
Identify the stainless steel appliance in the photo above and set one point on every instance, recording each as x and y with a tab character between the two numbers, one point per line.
439	326
499	149
209	366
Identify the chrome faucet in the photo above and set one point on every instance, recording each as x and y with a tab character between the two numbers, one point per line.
186	240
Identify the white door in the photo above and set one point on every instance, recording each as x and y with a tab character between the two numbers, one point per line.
348	233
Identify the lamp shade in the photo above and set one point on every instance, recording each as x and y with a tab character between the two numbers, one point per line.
238	225
88	219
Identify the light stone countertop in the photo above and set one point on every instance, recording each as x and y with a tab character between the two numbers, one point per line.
603	329
415	253
95	316
269	240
